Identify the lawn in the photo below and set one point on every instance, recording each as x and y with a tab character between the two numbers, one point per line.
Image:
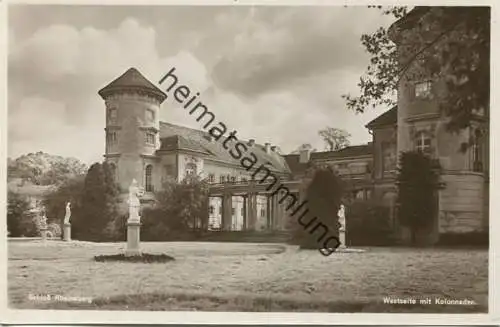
246	277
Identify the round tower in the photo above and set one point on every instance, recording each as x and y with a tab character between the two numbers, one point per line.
132	127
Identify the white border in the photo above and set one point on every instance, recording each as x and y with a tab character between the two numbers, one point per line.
128	317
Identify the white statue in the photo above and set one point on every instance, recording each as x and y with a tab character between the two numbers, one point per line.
43	219
342	229
134	204
68	213
341	215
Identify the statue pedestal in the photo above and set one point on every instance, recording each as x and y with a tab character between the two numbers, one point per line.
342	239
133	238
43	233
67	232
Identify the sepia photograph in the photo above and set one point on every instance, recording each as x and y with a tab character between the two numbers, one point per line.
246	157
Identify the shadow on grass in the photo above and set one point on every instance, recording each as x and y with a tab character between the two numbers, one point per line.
242	303
142	258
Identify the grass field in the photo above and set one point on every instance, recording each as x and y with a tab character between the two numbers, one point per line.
246	277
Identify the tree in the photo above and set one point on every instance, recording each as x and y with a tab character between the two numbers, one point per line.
180	207
324	191
418	181
452	45
19	220
44	169
97	211
70	191
335	138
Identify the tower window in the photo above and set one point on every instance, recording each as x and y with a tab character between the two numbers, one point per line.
112	115
211	210
423	89
150	115
423	143
112	168
150	138
233	179
211	178
149	178
222	178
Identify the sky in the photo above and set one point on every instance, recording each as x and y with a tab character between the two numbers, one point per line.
272	73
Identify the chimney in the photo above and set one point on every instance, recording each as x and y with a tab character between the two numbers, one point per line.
304	155
267	146
251	142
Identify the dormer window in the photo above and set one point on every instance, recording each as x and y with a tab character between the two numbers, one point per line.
423	89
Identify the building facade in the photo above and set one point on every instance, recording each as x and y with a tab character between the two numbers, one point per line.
139	146
418	124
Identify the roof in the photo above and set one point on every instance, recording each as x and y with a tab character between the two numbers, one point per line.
390	117
348	152
177	142
293	161
197	140
408	21
132	79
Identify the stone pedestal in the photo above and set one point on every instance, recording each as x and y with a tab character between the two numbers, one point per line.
133	238
67	232
43	233
342	239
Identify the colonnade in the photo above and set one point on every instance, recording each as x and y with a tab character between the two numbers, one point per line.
274	211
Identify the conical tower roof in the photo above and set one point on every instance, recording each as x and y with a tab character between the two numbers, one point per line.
132	79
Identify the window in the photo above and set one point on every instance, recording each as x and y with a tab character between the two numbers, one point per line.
111	138
150	115
232	211
359	194
220	210
169	170
244	179
388	157
211	210
150	138
222	179
423	89
233	179
262	212
149	178
112	115
423	142
477	152
243	212
211	178
190	168
112	169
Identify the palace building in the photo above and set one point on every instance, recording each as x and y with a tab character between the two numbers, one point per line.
139	146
